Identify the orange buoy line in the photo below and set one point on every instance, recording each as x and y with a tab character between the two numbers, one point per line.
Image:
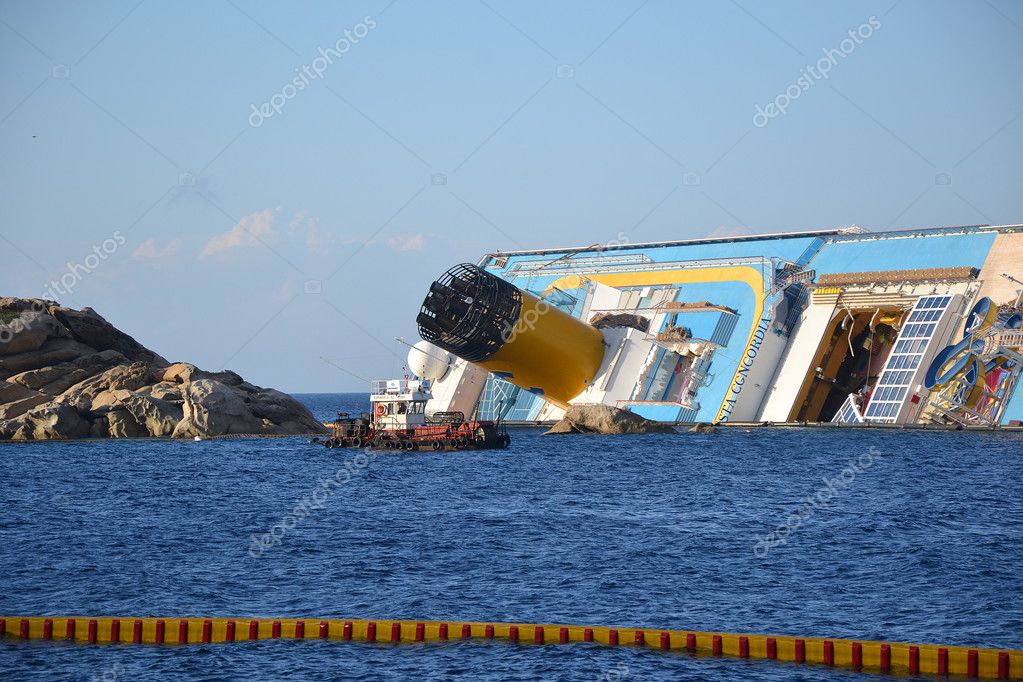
859	655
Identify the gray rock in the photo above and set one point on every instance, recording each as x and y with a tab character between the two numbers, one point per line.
183	372
89	327
129	377
164	391
281	409
605	419
51	420
702	427
28	332
122	424
52	352
213	409
71	374
55	379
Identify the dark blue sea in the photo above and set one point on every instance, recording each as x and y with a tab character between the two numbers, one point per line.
911	536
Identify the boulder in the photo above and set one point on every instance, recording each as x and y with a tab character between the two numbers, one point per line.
51	420
182	372
55	379
122	424
281	409
157	417
164	391
702	427
130	377
16	400
605	419
66	373
52	352
213	409
28	332
89	327
228	377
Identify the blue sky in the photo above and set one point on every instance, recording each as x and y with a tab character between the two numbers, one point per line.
445	130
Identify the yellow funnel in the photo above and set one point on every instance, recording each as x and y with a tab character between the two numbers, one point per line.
490	322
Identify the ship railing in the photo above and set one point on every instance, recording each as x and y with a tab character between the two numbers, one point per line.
397	386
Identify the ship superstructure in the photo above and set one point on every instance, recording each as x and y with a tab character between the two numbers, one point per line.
851	326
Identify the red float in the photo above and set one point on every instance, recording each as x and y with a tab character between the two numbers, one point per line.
420	632
183	632
229	631
488	632
538	634
800	651
914	660
744	647
513	634
253	629
24	628
48	628
971	663
1003	665
346	632
639	638
92	632
371	632
772	648
691	642
115	631
396	632
466	631
207	631
324	629
563	636
665	640
829	652
612	637
886	658
442	631
161	632
300	629
275	630
943	661
857	656
588	635
716	645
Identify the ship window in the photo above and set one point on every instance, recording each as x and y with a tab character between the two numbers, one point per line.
893	385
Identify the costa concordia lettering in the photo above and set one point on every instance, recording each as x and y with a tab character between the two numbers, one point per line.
846	326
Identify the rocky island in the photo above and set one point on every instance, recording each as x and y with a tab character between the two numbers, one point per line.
69	374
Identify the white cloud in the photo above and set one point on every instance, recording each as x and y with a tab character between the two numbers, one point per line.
151	249
252	228
408	242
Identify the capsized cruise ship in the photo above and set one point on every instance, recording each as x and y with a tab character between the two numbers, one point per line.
846	326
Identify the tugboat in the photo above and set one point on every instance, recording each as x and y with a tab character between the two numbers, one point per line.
398	421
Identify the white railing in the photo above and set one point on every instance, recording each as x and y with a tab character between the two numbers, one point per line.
398	386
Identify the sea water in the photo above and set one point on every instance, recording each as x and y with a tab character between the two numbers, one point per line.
871	534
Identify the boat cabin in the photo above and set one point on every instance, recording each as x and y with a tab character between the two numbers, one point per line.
399	404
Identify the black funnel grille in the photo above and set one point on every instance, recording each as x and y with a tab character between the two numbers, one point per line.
469	312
